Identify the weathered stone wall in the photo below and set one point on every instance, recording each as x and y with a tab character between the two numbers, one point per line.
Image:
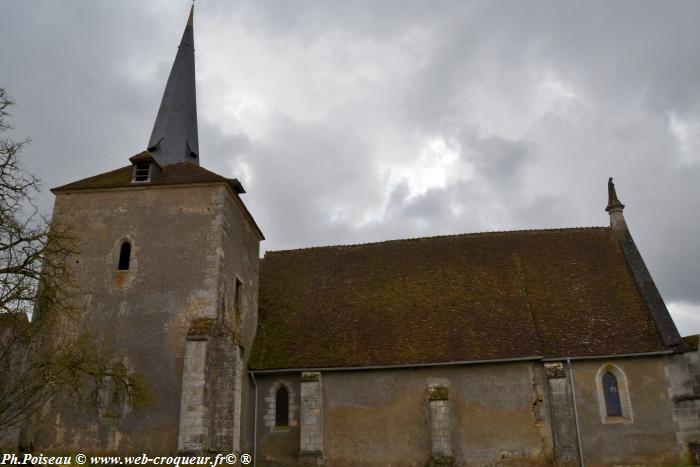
647	435
440	426
235	327
277	446
383	417
683	371
311	418
184	239
225	397
193	431
562	414
482	414
247	414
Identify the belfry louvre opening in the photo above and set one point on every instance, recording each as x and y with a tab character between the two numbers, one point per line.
142	172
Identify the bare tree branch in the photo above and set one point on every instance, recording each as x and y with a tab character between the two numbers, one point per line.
38	354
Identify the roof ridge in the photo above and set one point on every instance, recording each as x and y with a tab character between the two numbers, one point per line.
430	237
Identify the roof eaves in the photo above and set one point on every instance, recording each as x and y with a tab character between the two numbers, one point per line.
397	366
461	362
246	212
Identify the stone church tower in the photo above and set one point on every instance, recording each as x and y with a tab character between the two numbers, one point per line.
531	347
167	272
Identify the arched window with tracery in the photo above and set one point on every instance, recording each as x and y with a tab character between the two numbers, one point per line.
282	407
613	407
124	256
613	395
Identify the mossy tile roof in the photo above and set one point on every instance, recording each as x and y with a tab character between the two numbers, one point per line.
490	296
173	174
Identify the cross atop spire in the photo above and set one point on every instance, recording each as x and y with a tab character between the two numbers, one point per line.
174	138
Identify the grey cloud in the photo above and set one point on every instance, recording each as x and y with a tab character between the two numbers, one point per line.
88	78
500	160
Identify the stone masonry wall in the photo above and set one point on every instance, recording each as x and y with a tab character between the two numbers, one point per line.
311	426
144	312
277	445
506	414
229	332
562	414
238	289
683	372
226	396
645	434
193	432
384	417
189	244
440	429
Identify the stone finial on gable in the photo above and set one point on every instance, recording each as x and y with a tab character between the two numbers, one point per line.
642	278
613	202
615	208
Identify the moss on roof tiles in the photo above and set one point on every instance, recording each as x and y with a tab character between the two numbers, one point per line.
173	174
554	293
691	342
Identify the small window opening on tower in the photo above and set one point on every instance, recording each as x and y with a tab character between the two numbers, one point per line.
142	172
237	304
282	407
124	256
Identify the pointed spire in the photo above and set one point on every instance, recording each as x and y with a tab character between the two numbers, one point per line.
174	138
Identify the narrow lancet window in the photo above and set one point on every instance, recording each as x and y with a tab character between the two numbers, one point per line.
237	304
124	256
282	407
613	406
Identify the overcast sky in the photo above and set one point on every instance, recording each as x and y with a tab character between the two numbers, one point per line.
358	121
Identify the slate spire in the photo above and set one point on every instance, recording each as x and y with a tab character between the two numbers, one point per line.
174	137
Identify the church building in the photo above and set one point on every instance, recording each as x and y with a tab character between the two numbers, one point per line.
533	347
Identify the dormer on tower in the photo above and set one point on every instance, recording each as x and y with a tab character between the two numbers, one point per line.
174	137
145	167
